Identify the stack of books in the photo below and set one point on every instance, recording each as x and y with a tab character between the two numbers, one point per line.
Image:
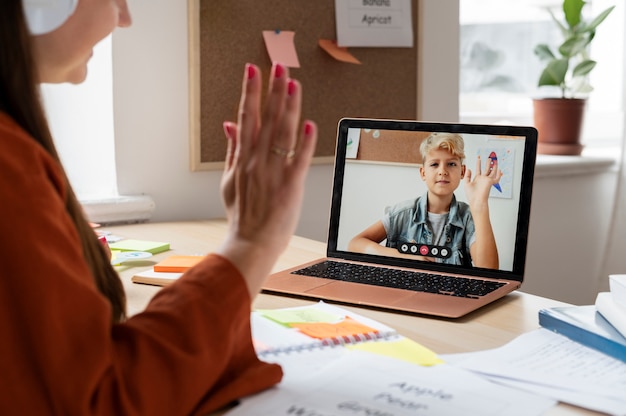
612	305
601	326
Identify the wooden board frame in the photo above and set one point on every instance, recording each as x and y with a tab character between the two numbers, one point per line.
384	86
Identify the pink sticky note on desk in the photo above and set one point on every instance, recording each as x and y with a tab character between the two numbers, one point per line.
338	52
280	47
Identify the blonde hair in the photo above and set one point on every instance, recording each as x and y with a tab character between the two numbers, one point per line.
451	142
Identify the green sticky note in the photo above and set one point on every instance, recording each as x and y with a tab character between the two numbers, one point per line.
286	317
153	247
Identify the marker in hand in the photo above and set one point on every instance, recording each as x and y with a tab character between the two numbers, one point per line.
493	160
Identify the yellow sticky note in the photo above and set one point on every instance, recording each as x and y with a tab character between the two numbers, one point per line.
346	328
280	47
403	349
287	317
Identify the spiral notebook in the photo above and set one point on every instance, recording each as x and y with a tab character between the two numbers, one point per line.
328	331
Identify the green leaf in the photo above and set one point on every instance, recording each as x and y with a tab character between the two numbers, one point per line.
554	74
573	11
580	86
583	68
544	52
577	35
573	46
599	19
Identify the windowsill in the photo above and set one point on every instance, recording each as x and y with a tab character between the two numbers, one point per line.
119	210
588	162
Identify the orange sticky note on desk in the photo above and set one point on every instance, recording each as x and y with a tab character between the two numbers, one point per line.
321	330
177	264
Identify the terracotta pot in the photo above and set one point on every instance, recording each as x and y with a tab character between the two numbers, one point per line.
559	124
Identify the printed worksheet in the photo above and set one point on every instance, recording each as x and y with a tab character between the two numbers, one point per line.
361	383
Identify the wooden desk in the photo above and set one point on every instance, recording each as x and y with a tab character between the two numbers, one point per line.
489	327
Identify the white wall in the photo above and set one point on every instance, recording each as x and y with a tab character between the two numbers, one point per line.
570	221
151	113
152	149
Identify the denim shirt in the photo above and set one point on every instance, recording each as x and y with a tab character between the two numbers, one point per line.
408	222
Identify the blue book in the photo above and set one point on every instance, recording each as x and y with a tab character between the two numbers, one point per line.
584	324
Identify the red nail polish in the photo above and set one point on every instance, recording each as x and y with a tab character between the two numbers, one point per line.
308	128
251	71
279	70
291	87
227	129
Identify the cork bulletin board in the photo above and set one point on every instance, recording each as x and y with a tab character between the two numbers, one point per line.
225	35
393	146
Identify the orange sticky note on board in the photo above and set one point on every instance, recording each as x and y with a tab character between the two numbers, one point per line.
346	328
177	264
280	47
338	52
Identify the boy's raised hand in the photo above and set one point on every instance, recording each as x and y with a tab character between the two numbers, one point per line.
477	190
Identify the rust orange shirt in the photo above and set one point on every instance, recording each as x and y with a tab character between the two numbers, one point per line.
189	352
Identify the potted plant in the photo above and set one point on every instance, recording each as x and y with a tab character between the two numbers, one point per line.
559	120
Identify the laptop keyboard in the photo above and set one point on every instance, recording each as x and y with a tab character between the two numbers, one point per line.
401	279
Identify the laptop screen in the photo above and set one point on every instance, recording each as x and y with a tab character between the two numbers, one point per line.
438	196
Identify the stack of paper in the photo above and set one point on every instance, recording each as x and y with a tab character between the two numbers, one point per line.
601	326
584	324
555	366
612	305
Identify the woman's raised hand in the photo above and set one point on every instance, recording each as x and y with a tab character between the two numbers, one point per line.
268	156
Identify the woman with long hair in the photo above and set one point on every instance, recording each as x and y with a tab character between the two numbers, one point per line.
67	345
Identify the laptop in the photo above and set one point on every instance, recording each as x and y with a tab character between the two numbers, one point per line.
378	183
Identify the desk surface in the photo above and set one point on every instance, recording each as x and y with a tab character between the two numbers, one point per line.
489	327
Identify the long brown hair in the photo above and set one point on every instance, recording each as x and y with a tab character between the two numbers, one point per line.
20	99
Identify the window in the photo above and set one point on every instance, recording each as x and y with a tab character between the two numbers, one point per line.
81	120
499	71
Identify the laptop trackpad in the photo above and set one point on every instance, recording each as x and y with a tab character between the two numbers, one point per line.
358	293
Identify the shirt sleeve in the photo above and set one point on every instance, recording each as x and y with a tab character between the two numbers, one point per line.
189	352
197	332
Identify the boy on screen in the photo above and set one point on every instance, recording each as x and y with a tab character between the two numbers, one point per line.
455	232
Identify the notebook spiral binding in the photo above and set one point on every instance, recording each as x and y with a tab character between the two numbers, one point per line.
331	342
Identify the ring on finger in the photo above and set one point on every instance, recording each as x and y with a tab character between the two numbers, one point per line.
287	153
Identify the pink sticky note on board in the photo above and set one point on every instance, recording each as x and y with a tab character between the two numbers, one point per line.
280	47
338	52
